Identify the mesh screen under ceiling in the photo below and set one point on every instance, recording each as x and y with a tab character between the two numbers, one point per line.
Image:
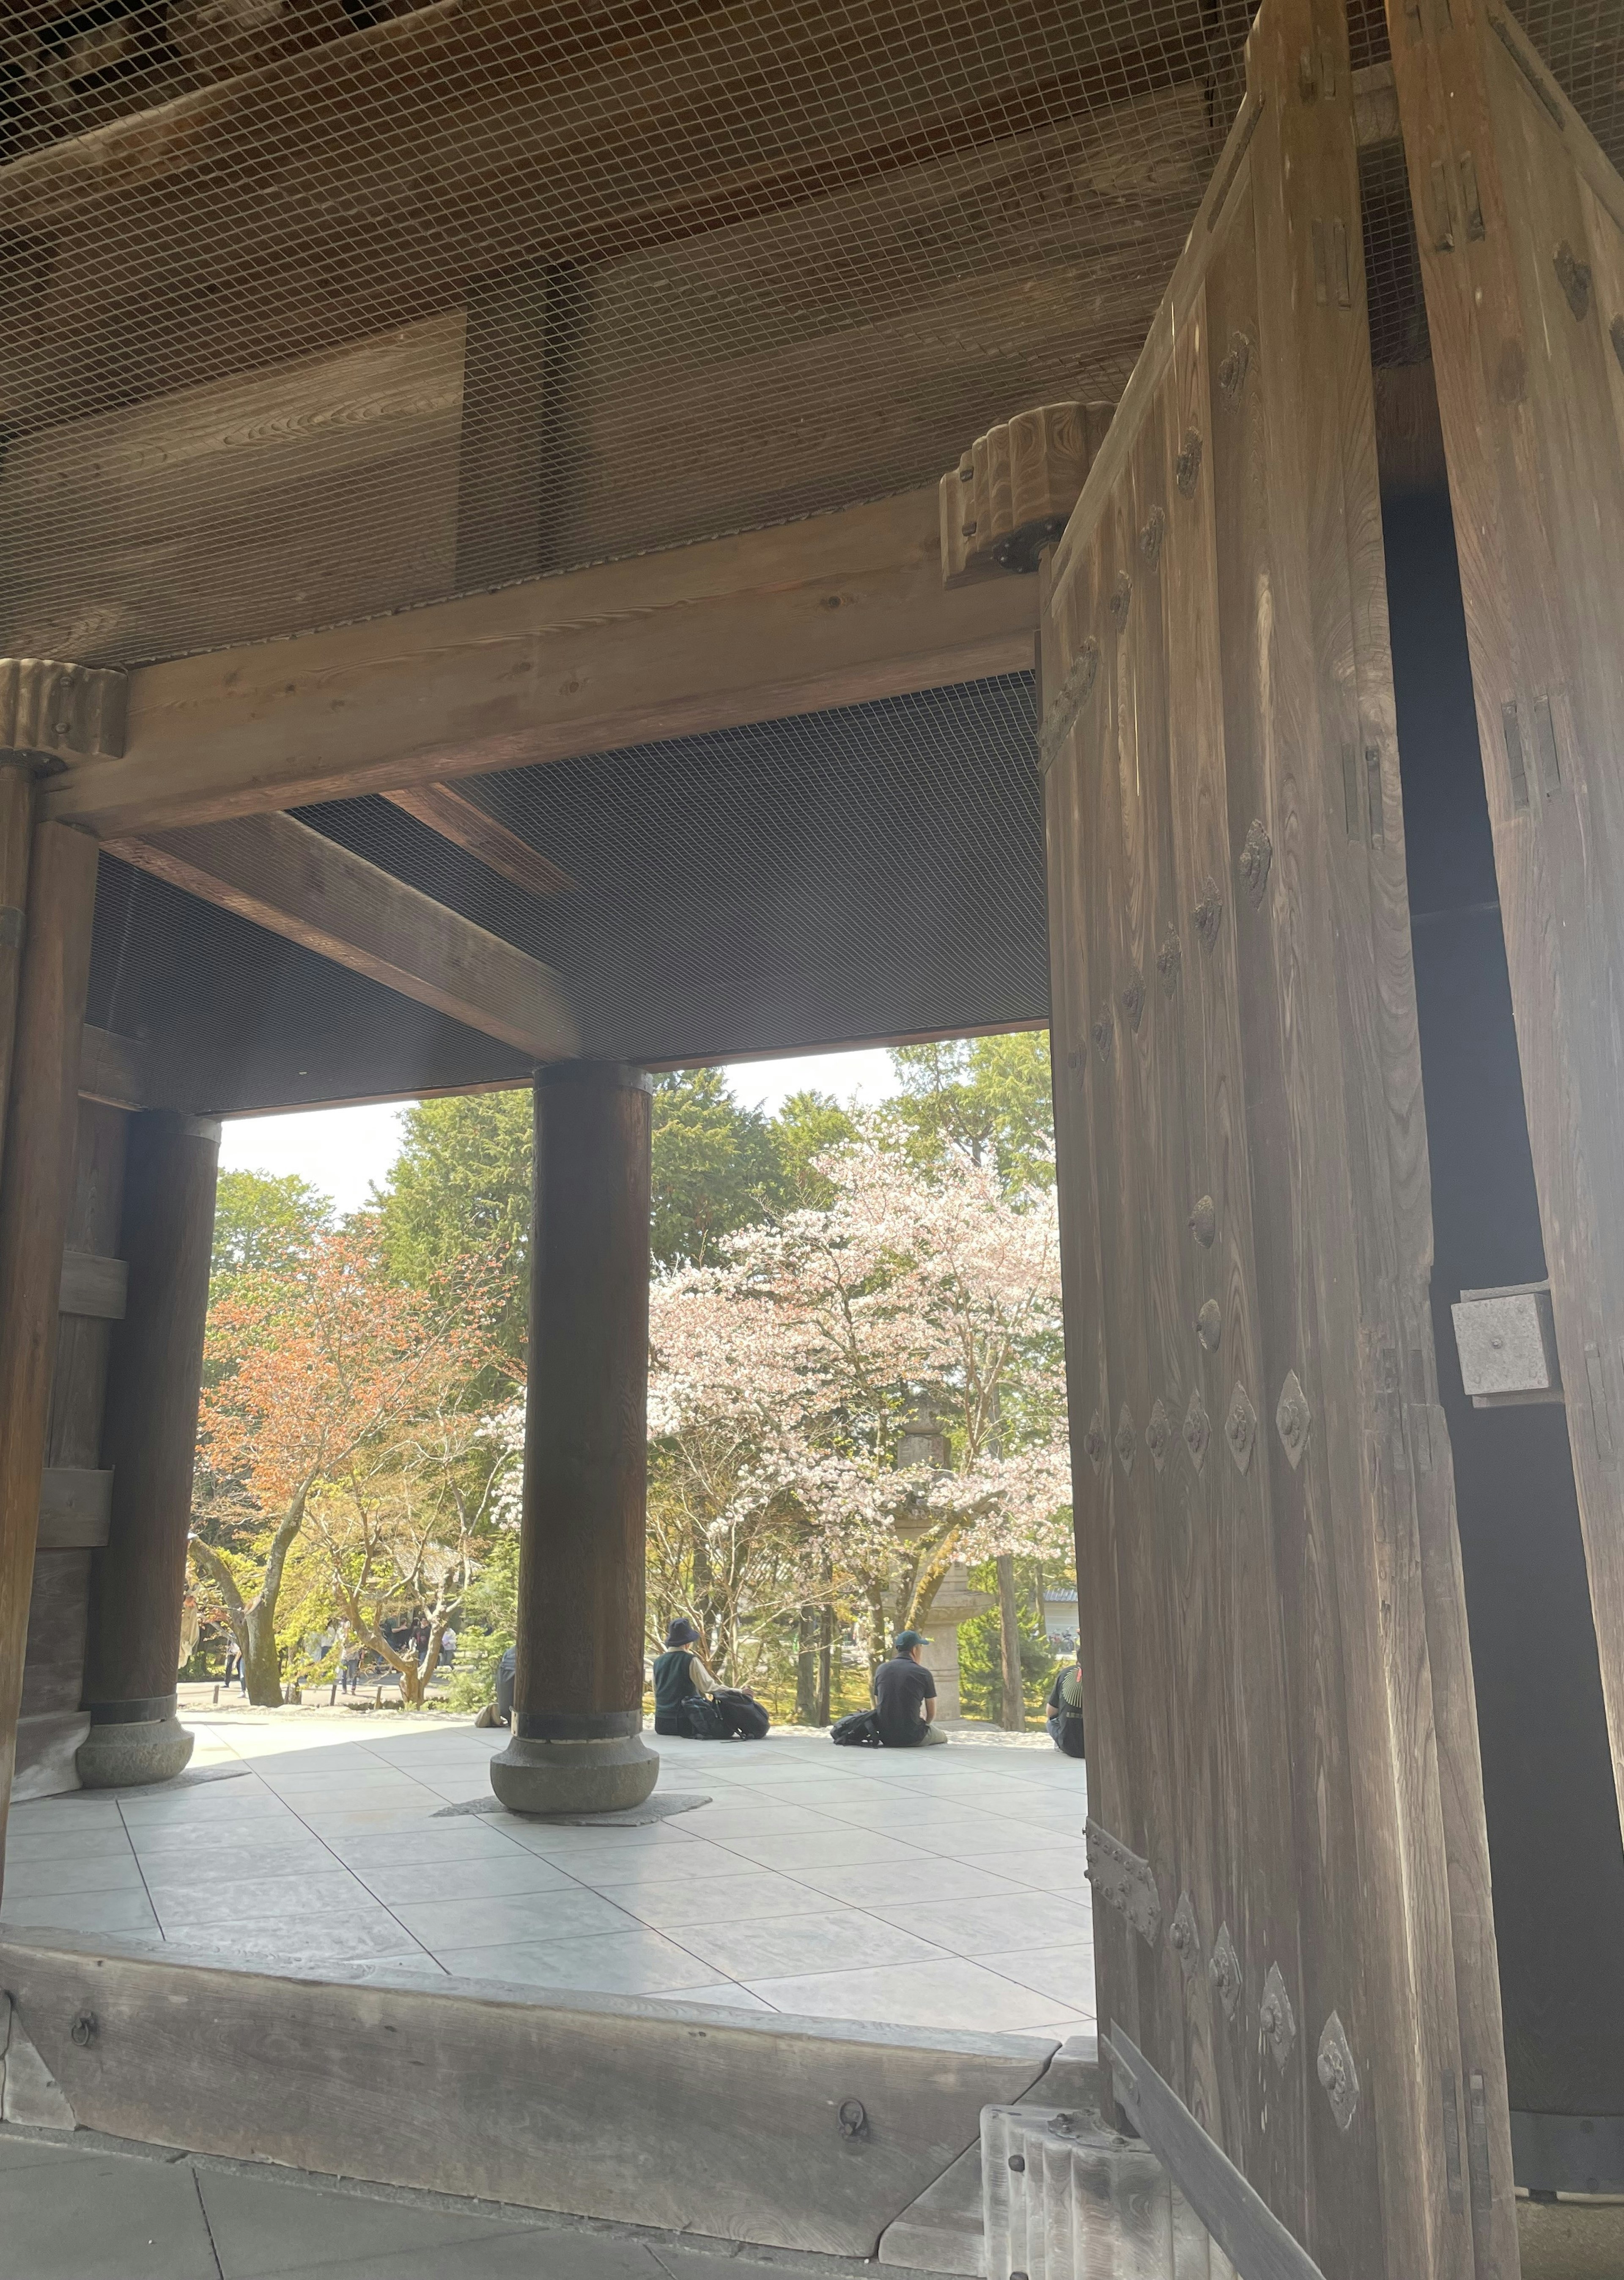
319	316
871	873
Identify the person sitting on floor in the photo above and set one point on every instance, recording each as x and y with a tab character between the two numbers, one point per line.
679	1675
1063	1711
906	1696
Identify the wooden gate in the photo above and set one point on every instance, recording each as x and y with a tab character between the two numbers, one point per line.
1295	1953
1521	222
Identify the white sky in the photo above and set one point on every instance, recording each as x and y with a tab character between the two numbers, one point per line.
344	1151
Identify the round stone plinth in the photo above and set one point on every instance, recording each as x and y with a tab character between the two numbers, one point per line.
607	1776
119	1756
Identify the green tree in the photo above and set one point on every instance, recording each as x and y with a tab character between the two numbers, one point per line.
458	1188
985	1098
265	1225
717	1166
808	1125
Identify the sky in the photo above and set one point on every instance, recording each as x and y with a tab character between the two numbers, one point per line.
344	1151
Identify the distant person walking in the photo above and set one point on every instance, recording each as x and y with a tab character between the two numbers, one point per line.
905	1696
1063	1711
349	1668
679	1675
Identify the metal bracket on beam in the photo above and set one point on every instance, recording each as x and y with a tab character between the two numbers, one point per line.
61	711
1506	1341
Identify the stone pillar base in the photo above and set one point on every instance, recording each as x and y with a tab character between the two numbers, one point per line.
597	1776
119	1756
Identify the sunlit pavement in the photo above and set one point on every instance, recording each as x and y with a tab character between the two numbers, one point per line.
928	1888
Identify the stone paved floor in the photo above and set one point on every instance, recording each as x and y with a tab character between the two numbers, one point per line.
930	1888
100	2211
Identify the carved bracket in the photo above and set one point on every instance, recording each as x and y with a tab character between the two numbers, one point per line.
50	707
1012	492
1125	1883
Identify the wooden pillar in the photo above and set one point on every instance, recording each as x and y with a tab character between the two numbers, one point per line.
34	1191
16	833
149	1441
578	1695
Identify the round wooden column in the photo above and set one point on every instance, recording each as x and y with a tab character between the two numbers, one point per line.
577	1744
148	1440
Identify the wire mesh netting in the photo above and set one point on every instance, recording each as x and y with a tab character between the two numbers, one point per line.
874	872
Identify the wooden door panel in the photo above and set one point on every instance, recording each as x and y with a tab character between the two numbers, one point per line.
1266	1525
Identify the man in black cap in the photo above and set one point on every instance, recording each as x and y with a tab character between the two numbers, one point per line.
906	1696
678	1674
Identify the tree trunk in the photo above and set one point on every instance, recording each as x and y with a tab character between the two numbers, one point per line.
261	1664
1013	1691
806	1667
821	1701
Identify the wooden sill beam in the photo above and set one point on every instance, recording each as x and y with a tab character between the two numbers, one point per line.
833	611
286	877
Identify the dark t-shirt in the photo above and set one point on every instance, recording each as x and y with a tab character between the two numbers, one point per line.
901	1687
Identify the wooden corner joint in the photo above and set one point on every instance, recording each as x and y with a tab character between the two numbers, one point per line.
1012	492
60	710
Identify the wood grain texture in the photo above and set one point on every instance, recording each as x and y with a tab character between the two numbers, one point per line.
34	1195
586	1438
93	1286
830	612
150	1422
1291	1740
114	1069
53	1666
1524	314
286	877
73	1508
16	835
456	817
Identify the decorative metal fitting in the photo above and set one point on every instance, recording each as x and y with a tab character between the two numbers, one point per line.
1615	334
1224	1971
1198	1430
853	2118
1574	276
1121	600
1209	915
1018	2162
1187	466
1292	1419
1101	1033
1169	958
1094	1442
1257	854
1209	1325
1204	1221
1151	536
1133	1002
1185	1935
1276	2020
85	2030
1127	1440
1241	1428
1233	371
1158	1434
1339	2077
1124	1881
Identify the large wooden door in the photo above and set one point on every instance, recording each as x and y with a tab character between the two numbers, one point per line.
1521	222
1289	1868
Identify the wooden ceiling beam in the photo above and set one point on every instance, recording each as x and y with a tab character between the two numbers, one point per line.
442	808
287	878
834	611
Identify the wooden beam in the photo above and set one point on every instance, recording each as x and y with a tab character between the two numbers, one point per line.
115	1069
470	827
286	877
378	178
837	610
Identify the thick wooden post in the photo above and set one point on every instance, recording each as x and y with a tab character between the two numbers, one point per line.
148	1440
34	1192
16	834
578	1697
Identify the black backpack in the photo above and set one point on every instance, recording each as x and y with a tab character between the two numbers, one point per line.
746	1720
705	1720
859	1730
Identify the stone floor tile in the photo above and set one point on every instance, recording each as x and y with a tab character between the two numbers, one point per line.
480	1876
204	1863
1053	1868
838	1848
294	1938
77	1872
1007	1920
924	1877
262	2226
720	1823
639	1962
125	1912
718	1899
726	1993
840	1941
1065	1975
121	2219
437	1841
27	1841
952	1993
607	1866
180	1899
568	1914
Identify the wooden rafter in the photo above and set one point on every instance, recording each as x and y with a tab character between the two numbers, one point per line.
286	877
442	808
